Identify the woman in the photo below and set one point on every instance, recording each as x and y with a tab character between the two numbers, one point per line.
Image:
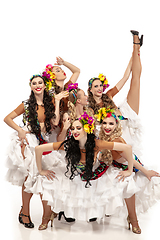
80	189
41	113
77	102
111	131
132	127
57	76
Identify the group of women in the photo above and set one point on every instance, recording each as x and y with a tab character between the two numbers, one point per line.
81	153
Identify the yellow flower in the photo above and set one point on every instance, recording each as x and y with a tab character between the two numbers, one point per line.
92	128
49	85
86	128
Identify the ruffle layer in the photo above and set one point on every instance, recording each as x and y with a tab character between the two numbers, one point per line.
20	168
132	128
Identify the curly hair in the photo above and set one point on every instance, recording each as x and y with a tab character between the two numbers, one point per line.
105	100
73	156
71	103
106	155
33	116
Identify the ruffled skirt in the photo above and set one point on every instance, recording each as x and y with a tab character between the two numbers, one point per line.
132	128
105	196
20	168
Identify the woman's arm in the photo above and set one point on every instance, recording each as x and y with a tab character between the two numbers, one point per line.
74	69
148	173
9	121
122	147
65	126
126	75
39	151
127	150
58	97
113	91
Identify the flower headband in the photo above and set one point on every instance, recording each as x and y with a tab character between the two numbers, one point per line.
87	122
104	113
73	87
49	78
102	78
108	112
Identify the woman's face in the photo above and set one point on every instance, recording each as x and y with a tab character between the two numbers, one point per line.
59	73
78	130
108	125
97	88
38	86
82	98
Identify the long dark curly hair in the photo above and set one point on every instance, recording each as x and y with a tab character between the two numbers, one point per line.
73	156
49	107
105	100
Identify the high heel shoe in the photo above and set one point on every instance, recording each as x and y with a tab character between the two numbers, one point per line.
27	225
137	34
51	218
136	230
67	219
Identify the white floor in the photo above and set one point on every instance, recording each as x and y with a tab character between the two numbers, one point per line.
109	228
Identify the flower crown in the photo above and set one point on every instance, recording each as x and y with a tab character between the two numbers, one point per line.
49	78
72	86
102	78
87	122
104	113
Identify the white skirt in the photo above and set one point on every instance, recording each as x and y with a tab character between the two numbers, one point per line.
132	128
106	196
20	168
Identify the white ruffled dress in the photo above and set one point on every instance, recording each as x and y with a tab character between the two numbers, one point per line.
105	196
132	128
20	168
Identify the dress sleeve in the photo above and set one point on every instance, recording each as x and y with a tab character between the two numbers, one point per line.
56	146
112	92
20	109
53	101
116	154
100	144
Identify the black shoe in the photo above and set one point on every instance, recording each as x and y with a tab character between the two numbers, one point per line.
92	219
27	225
137	34
67	219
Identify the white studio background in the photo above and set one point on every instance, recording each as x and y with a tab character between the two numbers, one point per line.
93	35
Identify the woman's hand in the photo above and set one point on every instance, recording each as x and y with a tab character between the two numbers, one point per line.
151	173
59	61
61	95
22	136
48	174
123	174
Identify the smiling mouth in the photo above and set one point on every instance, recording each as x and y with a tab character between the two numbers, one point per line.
38	89
107	130
64	74
76	135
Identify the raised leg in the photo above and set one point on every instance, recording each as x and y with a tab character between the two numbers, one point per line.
133	97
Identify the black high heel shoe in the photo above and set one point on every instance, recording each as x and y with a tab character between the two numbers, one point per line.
27	225
137	34
67	219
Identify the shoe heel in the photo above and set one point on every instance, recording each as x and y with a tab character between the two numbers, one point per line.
60	215
129	223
